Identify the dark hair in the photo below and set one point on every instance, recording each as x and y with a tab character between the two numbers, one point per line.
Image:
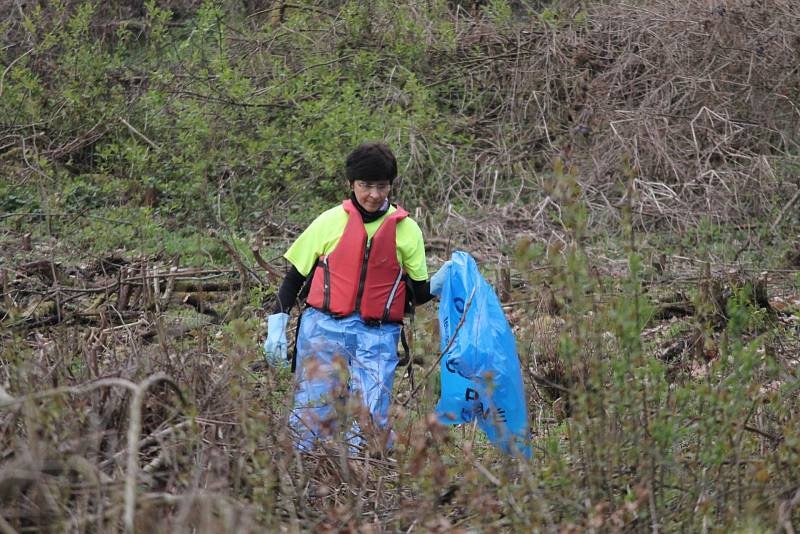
371	162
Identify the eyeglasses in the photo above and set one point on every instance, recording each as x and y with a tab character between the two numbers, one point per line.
368	186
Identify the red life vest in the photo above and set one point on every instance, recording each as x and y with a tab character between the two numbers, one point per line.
361	277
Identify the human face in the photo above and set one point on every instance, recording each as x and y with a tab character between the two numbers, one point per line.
371	195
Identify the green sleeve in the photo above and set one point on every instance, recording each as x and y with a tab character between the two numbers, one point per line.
319	239
306	249
411	248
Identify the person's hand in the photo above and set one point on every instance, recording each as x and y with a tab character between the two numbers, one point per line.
437	281
275	344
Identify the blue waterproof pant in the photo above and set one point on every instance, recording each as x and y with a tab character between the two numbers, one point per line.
336	359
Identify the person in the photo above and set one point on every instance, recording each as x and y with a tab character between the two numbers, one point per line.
366	261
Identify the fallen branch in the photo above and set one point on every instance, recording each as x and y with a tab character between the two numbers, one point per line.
264	265
234	254
772	437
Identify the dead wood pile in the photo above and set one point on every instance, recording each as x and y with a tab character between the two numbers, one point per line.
113	292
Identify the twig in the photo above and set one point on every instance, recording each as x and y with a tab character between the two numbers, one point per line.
134	429
236	257
772	437
285	5
152	438
293	75
444	351
785	209
545	382
785	512
5	527
170	287
140	134
488	474
53	214
3	77
264	265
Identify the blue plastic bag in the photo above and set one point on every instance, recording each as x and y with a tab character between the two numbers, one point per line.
481	377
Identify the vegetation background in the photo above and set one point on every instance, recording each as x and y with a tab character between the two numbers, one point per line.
627	173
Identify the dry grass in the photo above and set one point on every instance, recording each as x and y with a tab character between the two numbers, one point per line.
689	110
112	427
